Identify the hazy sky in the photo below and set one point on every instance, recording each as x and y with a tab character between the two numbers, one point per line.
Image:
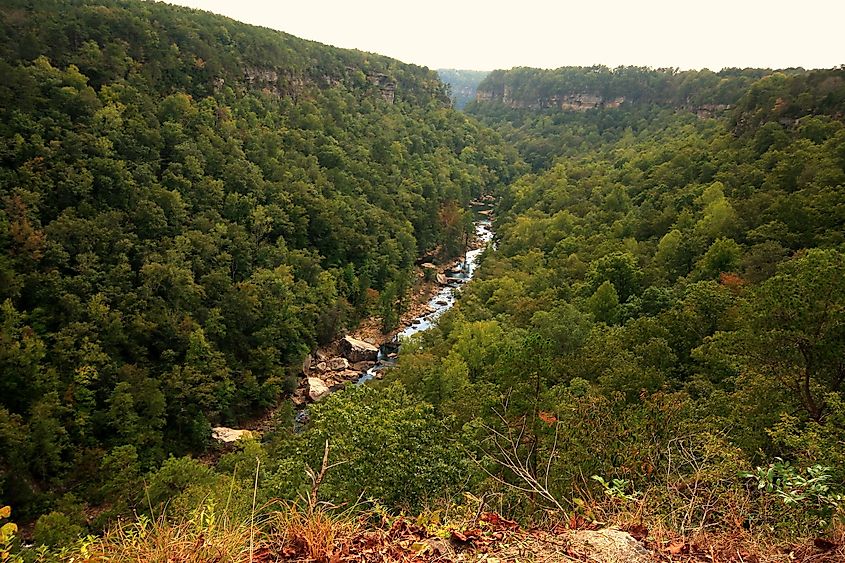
492	34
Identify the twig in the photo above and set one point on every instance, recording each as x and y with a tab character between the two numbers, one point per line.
254	496
317	478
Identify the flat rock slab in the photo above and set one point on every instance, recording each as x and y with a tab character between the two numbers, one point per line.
229	435
317	389
358	351
608	545
336	364
362	366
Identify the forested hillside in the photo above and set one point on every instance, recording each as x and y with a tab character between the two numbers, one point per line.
664	310
533	87
188	205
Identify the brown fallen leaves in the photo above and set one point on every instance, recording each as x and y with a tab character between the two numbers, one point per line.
732	548
403	542
491	538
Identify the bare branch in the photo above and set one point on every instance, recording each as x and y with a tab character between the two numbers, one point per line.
317	478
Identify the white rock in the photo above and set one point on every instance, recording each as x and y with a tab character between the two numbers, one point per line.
228	435
608	546
317	389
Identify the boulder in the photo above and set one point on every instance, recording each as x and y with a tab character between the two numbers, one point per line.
358	351
322	366
228	435
348	375
317	389
607	546
441	279
336	364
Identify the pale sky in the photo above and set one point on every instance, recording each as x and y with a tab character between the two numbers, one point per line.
486	35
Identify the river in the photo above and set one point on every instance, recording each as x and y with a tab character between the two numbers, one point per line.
443	300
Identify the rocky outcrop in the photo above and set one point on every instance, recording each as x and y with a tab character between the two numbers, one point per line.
336	364
708	111
385	84
576	101
608	546
317	389
332	364
276	83
583	102
229	435
281	83
358	351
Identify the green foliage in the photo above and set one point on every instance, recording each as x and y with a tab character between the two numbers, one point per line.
8	534
724	255
788	97
55	529
387	445
188	206
811	491
793	330
634	84
666	293
176	477
617	488
604	303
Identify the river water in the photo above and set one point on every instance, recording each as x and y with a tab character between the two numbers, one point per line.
441	302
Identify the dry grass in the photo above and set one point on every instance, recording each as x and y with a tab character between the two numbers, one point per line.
730	543
312	535
319	535
166	542
287	534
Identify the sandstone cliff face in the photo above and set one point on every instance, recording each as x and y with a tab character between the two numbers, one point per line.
276	83
708	111
285	83
385	84
581	101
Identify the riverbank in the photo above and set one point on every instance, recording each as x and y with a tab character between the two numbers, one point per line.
328	368
362	353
